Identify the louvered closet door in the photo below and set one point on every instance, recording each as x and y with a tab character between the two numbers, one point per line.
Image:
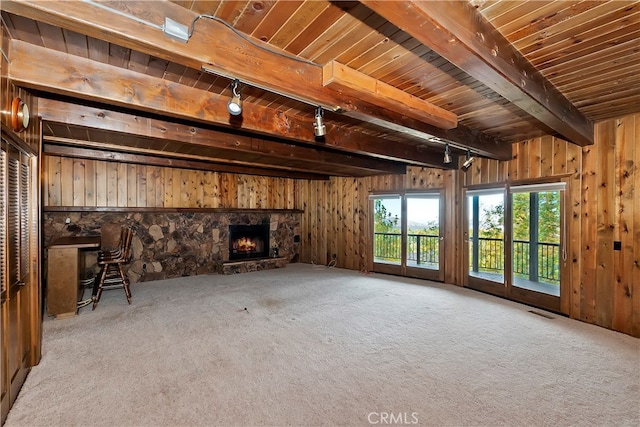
16	224
3	281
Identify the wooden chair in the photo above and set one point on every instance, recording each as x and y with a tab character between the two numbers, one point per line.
111	262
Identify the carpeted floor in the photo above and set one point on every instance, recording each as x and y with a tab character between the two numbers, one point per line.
314	346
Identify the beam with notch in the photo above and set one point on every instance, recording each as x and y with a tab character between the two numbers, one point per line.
215	48
460	34
82	78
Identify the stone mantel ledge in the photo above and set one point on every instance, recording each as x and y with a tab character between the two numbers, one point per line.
166	210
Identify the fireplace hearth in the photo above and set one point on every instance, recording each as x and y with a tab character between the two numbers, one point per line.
248	241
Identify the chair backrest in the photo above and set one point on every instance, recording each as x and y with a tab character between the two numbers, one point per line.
110	236
127	236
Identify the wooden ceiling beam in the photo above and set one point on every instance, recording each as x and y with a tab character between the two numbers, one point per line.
351	82
81	78
78	149
226	145
216	48
459	33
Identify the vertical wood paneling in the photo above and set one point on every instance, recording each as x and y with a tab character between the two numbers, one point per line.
167	175
132	186
602	205
122	184
534	159
79	182
512	168
230	191
90	183
325	221
604	286
623	223
350	222
523	160
141	190
101	183
151	172
574	230
315	238
559	152
588	242
196	192
208	190
181	188
546	155
364	231
66	176
53	173
217	191
634	269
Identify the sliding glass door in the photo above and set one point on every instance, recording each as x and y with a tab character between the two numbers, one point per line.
387	233
408	234
486	235
424	243
526	223
537	249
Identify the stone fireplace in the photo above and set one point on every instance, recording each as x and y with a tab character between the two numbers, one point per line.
171	243
248	241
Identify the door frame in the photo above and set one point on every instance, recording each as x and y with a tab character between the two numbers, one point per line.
506	289
402	269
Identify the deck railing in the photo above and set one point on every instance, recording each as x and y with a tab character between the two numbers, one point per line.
421	248
425	249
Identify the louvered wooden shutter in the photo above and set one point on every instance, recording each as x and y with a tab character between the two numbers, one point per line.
3	217
13	190
25	211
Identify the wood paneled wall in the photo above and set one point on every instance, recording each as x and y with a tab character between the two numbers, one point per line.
93	183
336	221
603	202
603	205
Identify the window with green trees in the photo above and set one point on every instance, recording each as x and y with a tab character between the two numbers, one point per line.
535	233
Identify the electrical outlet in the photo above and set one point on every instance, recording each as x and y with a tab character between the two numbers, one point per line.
67	221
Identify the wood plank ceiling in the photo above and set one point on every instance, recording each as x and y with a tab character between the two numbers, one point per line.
395	80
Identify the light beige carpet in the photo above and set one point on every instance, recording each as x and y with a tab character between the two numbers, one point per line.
314	346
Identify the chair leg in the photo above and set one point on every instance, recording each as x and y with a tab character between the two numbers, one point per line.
125	283
97	285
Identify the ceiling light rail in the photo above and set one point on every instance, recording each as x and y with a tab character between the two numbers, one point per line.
183	33
333	108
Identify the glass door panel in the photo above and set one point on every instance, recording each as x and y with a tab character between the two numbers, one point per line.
536	241
407	234
486	235
423	243
387	232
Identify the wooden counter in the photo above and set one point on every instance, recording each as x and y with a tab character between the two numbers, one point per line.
65	265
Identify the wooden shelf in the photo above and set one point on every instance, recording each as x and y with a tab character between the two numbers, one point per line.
164	210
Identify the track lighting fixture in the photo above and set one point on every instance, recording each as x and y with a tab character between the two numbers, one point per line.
447	154
319	129
467	163
234	106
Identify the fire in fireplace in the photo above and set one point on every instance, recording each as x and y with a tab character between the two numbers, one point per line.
248	241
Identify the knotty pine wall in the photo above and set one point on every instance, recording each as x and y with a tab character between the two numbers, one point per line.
602	199
336	217
92	183
604	203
